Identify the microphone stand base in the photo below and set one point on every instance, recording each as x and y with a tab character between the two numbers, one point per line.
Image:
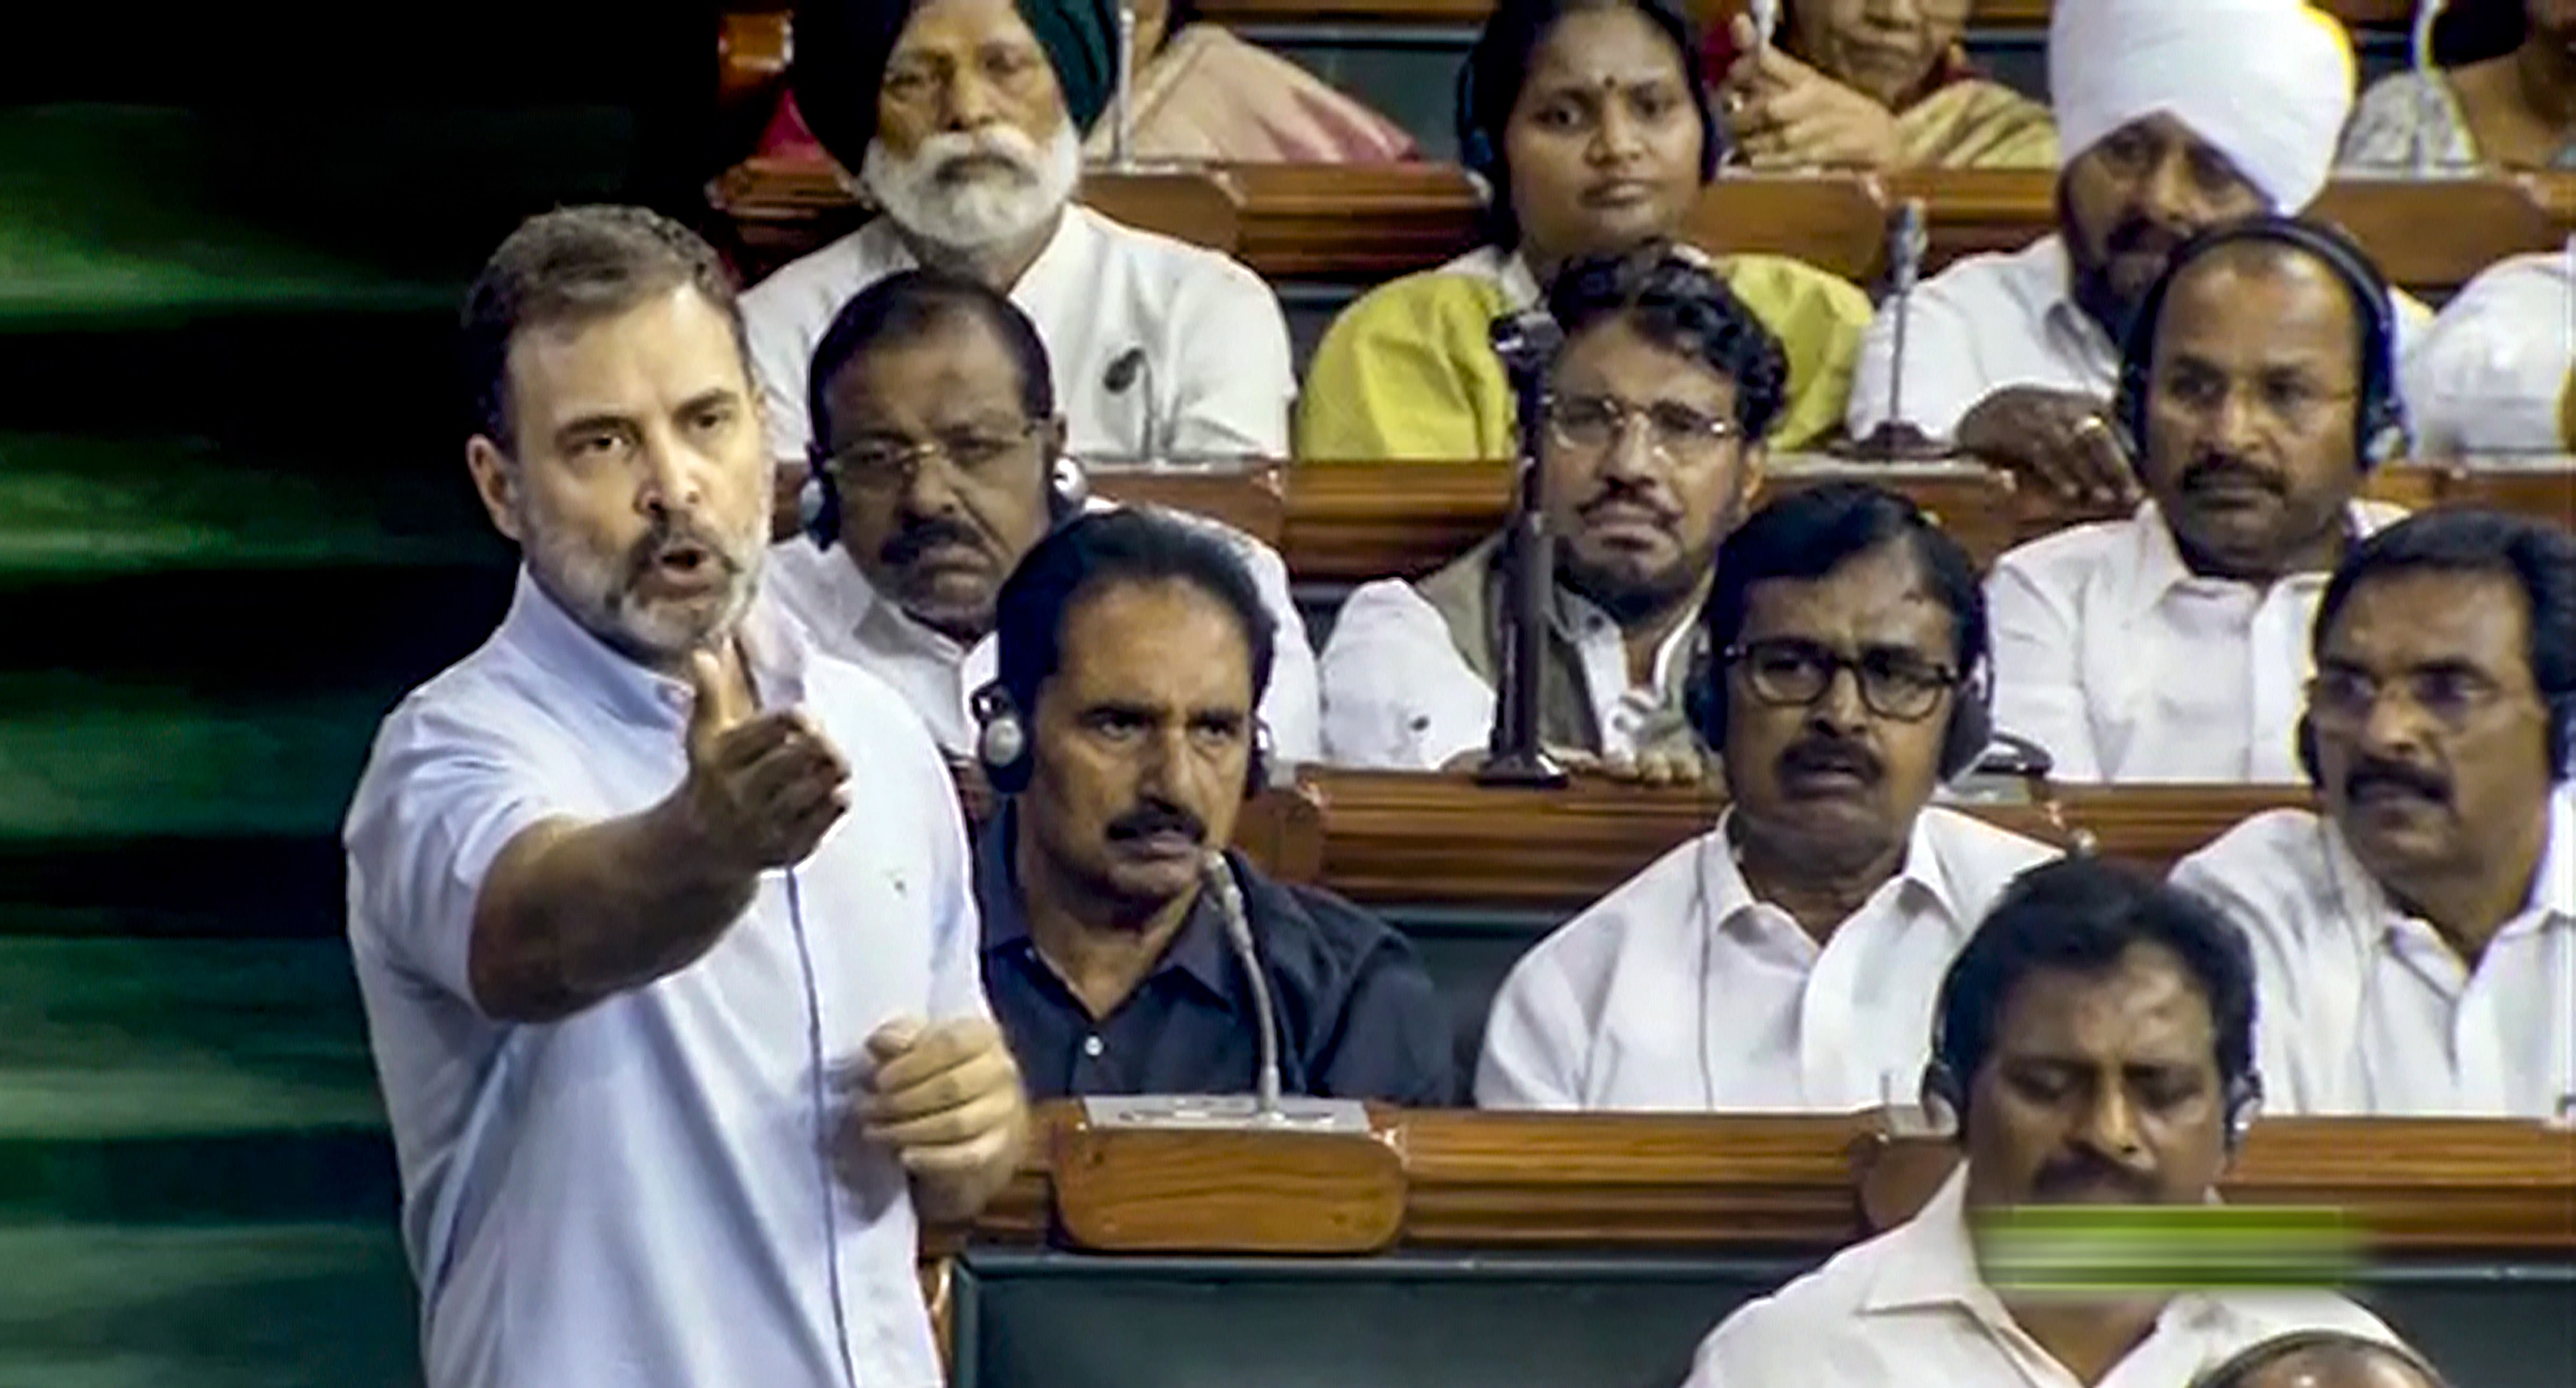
1527	770
1224	1113
1895	441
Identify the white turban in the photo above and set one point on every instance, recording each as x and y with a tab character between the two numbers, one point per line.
2269	82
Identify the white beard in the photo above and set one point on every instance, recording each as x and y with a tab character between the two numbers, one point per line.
984	207
598	588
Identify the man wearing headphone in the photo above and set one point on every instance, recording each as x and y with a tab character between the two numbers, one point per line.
1133	649
1785	960
938	461
2094	1046
2258	383
2416	943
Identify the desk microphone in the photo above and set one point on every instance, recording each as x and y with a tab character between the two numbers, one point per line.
1526	342
1264	1109
2428	87
1132	370
1122	111
1898	439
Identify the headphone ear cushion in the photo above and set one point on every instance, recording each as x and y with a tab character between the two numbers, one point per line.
1971	729
2307	749
1942	1101
818	505
1256	768
1068	488
1704	701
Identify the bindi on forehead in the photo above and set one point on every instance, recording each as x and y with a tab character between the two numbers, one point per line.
1603	50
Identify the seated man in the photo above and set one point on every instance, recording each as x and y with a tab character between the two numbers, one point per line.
2015	356
1121	729
2498	372
1593	128
2417	944
2095	1047
2172	646
940	464
2323	1359
954	124
1659	399
1786	960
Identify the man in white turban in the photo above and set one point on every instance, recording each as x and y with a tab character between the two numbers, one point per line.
2173	115
2498	372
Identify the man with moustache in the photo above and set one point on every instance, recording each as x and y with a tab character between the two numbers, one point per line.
2417	942
955	118
672	1046
2095	1047
940	462
2323	1359
1133	650
1657	403
2173	115
2260	385
1785	960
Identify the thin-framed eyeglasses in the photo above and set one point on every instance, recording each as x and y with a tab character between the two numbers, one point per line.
2341	700
1789	672
2291	397
883	465
1676	433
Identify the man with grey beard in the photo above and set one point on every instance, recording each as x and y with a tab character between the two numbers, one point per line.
954	117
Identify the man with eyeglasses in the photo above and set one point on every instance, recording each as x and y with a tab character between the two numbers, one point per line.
1656	405
1787	960
2416	944
2170	646
936	423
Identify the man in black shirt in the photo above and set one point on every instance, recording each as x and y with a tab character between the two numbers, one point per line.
1133	651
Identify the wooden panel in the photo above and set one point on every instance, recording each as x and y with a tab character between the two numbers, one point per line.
2433	236
1148	1191
1252	499
1403	837
2544	489
1509	1181
1838	223
751	57
1364	223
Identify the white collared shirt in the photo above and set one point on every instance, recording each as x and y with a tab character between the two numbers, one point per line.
1910	1307
1991	321
2126	666
1681	992
638	1196
1398	695
2364	1009
845	616
1212	333
2491	373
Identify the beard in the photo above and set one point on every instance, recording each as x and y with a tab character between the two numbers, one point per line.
602	591
977	207
1626	594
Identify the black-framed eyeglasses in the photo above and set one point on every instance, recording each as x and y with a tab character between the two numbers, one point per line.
1792	673
1676	433
882	465
2341	701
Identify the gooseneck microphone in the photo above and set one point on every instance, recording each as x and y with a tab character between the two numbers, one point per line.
1122	112
1898	439
1527	343
1238	933
2420	157
1132	370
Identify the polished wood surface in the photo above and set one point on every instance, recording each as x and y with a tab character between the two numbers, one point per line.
1149	1191
1366	224
1415	837
1508	1181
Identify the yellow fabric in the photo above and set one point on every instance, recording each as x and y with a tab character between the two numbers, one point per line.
1409	372
1977	125
2567	413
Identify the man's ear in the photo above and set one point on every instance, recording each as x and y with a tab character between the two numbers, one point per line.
1757	467
496	481
1051	437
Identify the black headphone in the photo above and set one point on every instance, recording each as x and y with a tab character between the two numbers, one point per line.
1003	745
1972	713
1945	1086
2380	434
819	502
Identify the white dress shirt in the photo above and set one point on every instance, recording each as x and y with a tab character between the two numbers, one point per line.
1910	1307
2127	666
1213	337
2492	372
1681	992
638	1195
845	616
1398	695
2364	1009
1992	321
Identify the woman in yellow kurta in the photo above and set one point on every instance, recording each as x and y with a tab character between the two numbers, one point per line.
1859	84
1590	124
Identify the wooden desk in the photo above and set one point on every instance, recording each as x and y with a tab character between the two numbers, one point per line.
1411	838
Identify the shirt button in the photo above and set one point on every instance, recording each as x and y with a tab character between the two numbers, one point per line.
1092	1047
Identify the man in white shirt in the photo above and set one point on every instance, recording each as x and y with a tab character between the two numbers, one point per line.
1657	402
940	463
2095	1048
1786	960
2417	944
2173	115
670	1046
952	118
2173	646
2497	374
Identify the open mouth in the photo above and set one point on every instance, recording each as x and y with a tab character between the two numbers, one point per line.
685	566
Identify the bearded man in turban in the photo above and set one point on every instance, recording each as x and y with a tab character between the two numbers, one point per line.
2173	116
